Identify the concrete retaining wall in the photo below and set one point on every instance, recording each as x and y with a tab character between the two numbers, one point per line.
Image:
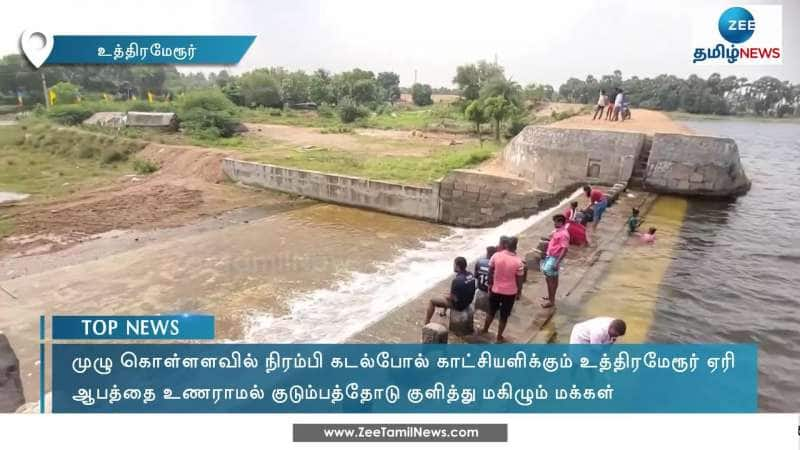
473	199
555	158
403	200
695	165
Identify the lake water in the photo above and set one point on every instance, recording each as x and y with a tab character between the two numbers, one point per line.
721	271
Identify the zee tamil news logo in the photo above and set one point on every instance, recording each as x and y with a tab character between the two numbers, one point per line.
750	34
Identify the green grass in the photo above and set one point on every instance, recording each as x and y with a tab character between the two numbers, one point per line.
439	117
406	169
46	162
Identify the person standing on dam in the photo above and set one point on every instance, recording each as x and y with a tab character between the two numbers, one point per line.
556	251
602	102
462	291
598	201
482	277
506	272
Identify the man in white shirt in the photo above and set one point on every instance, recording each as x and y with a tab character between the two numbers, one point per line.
602	101
600	330
618	101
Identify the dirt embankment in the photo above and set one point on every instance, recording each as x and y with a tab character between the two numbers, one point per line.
641	121
189	185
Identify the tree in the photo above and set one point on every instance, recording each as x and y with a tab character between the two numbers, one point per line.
295	88
421	94
470	78
259	88
499	109
320	90
476	114
508	89
389	83
536	93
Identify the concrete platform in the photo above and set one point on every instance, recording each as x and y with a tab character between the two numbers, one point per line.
529	322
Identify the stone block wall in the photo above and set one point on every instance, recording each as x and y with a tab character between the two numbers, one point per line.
553	158
695	165
474	199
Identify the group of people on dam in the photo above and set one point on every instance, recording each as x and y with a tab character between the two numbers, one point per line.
497	278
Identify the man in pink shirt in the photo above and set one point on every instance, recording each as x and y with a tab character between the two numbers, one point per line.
556	250
506	271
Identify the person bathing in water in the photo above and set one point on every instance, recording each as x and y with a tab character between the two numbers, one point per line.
550	264
462	291
634	221
649	237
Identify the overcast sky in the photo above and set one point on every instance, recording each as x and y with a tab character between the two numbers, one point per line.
537	41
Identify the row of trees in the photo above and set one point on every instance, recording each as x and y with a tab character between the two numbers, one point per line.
491	96
766	96
18	77
354	93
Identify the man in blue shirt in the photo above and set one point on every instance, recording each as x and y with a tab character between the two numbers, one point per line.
462	291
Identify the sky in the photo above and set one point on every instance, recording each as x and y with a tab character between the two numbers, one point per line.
536	41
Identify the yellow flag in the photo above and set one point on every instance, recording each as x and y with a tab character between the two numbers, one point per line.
52	94
149	97
133	97
105	97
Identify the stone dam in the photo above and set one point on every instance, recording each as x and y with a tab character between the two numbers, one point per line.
540	165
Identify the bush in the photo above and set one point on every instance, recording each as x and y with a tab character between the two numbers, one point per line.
69	114
208	114
143	166
66	93
325	110
109	156
139	106
517	123
349	111
421	94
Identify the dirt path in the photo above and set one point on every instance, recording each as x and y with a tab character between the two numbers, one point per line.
642	121
360	140
189	185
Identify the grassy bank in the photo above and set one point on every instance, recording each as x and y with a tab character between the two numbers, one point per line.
405	169
48	163
440	117
45	162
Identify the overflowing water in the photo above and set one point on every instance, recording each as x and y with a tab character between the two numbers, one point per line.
334	314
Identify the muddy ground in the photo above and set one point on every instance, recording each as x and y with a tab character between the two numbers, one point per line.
188	186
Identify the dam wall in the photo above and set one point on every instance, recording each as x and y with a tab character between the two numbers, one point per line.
552	159
463	198
695	166
475	199
403	200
